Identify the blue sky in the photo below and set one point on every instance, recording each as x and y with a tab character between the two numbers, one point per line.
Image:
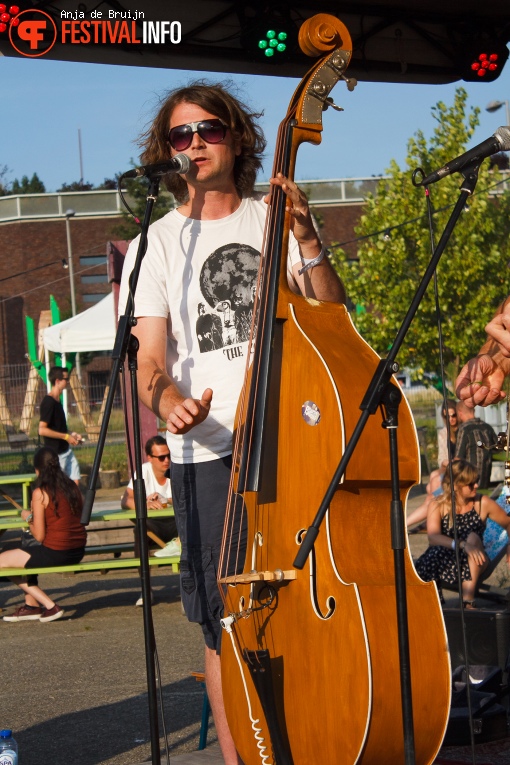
44	103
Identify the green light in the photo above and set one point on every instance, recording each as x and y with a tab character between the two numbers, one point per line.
273	42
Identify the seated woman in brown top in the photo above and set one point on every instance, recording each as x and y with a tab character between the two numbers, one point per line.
54	520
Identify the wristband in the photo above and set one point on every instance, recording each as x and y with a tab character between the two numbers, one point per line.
453	544
310	263
66	437
29	518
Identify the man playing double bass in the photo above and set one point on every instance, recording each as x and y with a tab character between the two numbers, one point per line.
201	257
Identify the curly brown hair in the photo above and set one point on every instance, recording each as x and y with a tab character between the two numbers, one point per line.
218	99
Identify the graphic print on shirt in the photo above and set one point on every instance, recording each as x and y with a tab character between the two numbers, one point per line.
227	282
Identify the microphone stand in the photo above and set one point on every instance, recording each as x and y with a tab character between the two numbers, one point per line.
382	392
126	343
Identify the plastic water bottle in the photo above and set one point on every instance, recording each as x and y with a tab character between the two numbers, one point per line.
8	748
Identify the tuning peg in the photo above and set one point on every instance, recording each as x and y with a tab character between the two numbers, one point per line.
350	82
329	102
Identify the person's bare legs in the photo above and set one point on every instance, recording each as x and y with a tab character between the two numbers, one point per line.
435	481
469	587
215	694
34	596
421	512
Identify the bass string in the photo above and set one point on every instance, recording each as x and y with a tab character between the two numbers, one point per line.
230	553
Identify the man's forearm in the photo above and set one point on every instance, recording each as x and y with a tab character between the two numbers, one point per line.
320	282
157	390
48	433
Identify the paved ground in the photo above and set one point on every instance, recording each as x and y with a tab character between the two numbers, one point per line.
74	691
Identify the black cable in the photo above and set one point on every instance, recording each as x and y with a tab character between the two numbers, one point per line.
389	229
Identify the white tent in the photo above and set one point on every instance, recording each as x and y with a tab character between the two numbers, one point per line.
91	330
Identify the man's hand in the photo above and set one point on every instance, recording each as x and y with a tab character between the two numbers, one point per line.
74	439
301	219
480	382
154	502
189	412
499	329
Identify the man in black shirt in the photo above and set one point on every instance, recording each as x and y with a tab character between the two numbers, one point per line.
53	424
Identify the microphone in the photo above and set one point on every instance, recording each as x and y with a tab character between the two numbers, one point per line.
181	164
500	141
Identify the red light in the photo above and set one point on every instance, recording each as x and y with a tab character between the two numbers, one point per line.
474	65
14	10
3	8
484	63
3	26
5	17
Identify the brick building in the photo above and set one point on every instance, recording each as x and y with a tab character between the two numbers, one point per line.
34	248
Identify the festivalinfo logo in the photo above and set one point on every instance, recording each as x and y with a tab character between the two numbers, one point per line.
33	33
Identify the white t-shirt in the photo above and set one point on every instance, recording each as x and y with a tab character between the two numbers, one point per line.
200	276
151	484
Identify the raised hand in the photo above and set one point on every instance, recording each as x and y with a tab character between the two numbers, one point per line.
189	412
480	382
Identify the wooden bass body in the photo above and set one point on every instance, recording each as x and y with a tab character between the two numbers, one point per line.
330	631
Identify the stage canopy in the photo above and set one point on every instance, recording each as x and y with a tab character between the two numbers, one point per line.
91	330
408	41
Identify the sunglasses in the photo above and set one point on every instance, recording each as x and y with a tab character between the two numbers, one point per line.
161	457
212	131
472	485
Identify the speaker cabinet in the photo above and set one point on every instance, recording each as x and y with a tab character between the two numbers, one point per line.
488	637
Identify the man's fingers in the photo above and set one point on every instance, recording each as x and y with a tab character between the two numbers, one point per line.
176	421
497	328
206	397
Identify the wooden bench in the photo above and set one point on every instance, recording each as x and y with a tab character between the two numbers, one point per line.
117	548
93	565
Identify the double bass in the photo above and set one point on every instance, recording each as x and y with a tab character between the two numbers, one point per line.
310	659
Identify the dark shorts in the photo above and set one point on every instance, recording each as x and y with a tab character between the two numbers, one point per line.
164	528
44	556
200	494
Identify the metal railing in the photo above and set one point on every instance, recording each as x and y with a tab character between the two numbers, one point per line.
334	191
85	204
320	191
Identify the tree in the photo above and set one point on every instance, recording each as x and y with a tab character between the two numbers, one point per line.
26	186
76	186
472	273
4	185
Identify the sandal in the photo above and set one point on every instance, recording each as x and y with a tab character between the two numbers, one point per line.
469	605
